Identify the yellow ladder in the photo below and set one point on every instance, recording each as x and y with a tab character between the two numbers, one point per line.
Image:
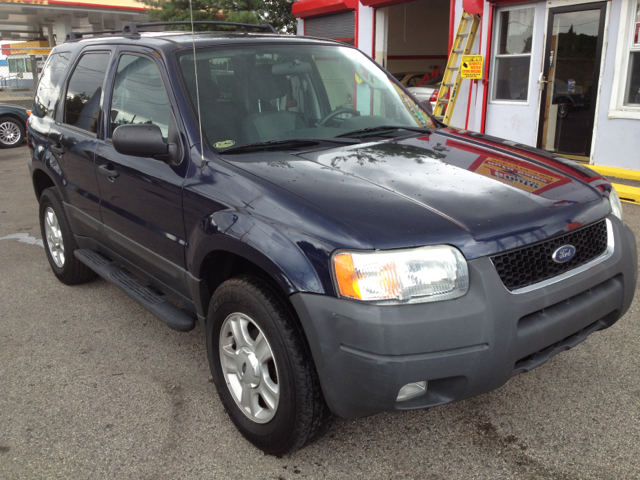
451	80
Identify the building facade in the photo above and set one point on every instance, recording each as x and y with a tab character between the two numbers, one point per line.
561	75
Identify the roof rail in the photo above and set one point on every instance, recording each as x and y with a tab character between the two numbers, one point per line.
131	28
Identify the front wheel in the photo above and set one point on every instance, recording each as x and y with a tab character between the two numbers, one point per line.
262	368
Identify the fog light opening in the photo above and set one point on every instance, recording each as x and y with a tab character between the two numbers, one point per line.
411	390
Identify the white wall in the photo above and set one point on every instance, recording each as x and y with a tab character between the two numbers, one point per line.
617	140
365	30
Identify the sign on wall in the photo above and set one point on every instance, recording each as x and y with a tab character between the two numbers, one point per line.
471	66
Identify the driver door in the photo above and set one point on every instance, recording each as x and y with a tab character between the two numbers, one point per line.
141	198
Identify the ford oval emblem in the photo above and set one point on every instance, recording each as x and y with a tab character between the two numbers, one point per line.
564	254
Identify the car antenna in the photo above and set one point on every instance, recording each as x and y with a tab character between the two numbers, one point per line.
195	67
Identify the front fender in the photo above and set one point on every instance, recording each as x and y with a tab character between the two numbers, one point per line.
296	261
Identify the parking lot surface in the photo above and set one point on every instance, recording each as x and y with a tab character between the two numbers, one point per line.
93	386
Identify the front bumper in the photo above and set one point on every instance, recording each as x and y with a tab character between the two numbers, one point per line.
464	347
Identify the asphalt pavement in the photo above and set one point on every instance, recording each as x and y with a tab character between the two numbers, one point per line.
93	386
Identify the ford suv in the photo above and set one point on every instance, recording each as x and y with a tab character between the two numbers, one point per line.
343	251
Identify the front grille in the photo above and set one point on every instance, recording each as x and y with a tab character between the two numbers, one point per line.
532	264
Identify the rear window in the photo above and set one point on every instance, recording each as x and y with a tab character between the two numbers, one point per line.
82	105
50	84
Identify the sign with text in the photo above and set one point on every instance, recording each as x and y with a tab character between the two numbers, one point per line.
471	66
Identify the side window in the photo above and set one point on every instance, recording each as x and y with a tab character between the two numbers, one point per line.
139	95
50	84
82	105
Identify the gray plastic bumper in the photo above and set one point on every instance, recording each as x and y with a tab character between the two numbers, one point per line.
464	347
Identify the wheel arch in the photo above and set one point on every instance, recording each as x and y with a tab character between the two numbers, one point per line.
41	181
13	116
222	264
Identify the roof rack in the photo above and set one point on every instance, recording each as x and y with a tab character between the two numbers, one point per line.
131	28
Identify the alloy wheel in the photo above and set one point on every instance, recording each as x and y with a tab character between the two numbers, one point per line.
54	237
249	368
9	133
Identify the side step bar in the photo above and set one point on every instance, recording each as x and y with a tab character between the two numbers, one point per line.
174	317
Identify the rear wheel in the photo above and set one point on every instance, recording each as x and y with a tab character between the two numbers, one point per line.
262	368
59	243
11	132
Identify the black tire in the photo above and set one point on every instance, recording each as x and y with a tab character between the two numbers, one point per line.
72	271
10	125
302	414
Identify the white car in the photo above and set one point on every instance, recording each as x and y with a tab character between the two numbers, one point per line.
428	92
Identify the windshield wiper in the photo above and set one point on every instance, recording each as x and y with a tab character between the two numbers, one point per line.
285	144
382	128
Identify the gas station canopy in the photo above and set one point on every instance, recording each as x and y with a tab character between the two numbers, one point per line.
52	20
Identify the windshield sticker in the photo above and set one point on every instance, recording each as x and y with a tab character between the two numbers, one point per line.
225	144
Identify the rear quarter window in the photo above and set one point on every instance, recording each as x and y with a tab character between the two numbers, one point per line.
50	85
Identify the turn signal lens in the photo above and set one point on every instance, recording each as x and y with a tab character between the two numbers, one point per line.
417	275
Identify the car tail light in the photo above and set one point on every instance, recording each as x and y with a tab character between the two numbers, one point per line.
434	96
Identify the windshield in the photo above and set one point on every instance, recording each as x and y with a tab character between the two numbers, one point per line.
271	93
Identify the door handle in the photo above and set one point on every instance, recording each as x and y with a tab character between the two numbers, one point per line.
58	149
108	171
541	81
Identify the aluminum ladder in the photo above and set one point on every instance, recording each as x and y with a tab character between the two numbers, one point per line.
450	86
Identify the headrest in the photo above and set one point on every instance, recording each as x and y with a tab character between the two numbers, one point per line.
265	85
208	87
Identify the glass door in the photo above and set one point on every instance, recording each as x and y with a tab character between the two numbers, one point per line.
569	80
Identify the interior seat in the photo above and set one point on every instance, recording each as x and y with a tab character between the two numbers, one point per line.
269	122
221	118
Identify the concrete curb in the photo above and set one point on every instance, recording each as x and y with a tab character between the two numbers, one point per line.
627	193
616	172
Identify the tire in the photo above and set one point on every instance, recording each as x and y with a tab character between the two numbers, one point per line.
59	243
296	414
11	132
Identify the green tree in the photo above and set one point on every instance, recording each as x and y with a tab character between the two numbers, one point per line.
275	12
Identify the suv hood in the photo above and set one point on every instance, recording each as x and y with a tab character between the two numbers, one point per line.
476	192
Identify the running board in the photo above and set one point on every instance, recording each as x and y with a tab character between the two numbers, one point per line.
172	316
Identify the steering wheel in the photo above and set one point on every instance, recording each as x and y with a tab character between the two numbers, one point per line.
335	113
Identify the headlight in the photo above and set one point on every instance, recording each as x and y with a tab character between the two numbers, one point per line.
416	275
616	206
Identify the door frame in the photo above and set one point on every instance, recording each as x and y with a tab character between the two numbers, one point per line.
563	6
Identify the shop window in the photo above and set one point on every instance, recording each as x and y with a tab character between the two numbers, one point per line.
625	94
632	93
512	54
16	65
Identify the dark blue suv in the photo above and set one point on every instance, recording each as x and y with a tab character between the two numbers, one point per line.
343	251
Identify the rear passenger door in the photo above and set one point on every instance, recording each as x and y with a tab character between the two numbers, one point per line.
73	138
141	198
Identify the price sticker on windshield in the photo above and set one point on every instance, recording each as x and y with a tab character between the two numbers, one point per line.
471	66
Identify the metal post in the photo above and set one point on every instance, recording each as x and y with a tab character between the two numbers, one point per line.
34	71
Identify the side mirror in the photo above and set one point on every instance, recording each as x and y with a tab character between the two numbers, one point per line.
142	140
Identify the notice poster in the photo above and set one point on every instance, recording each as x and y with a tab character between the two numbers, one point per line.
471	66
